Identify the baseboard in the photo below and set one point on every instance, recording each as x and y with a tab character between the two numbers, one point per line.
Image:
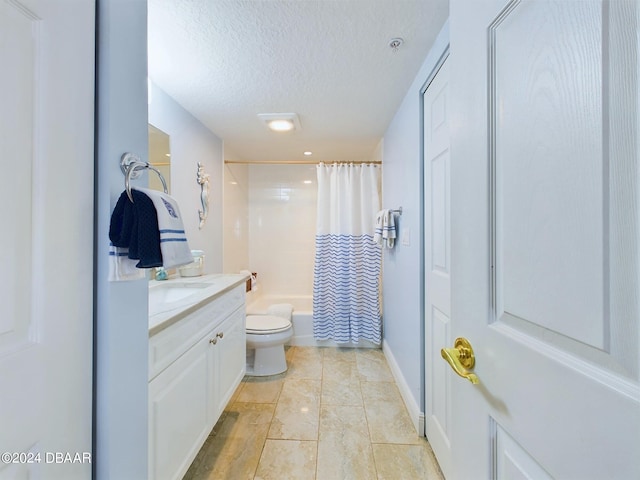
417	417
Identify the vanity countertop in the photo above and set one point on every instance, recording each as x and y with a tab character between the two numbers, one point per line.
173	299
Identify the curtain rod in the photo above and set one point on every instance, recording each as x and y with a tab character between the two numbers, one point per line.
293	162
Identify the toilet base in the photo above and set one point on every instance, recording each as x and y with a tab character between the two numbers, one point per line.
266	361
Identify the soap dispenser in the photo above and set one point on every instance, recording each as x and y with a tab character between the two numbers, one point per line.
161	273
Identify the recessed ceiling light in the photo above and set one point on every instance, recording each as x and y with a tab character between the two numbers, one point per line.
280	122
281	125
308	182
307	153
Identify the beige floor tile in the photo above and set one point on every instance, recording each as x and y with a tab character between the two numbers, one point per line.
288	352
372	366
288	459
234	451
340	383
234	397
339	354
297	411
387	416
260	389
318	421
305	362
405	462
344	450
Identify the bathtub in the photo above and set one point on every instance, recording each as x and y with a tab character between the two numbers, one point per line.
302	319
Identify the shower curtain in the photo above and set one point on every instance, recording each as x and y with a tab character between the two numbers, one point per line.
346	303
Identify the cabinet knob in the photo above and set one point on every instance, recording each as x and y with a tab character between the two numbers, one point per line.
213	340
220	334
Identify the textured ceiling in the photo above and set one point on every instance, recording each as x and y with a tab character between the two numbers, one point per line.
326	60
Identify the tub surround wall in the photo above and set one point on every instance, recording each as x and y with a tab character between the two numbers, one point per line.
282	227
236	218
192	142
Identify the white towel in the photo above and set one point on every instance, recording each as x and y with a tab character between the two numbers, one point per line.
121	267
173	241
385	229
283	310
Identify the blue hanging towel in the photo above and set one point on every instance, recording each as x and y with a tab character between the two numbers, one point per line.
134	226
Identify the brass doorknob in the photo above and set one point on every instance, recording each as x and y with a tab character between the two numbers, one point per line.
461	359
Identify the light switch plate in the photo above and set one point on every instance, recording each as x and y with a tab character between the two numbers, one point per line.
405	237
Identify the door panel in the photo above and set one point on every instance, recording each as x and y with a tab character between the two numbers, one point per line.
437	265
546	248
17	95
549	172
46	191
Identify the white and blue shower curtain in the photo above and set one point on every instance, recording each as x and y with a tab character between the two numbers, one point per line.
346	302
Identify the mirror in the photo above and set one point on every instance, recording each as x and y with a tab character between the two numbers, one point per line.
159	157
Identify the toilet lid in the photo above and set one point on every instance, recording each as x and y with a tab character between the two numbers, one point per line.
266	324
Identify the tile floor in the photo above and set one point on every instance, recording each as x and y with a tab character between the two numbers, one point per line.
335	414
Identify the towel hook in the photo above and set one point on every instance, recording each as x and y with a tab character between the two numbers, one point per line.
130	164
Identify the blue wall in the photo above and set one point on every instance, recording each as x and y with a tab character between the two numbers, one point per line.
403	266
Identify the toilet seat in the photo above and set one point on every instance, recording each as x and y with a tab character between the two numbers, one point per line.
266	324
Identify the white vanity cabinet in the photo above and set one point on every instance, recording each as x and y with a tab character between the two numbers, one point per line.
228	359
195	365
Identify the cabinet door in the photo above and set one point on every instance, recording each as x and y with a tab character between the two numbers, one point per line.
228	358
179	404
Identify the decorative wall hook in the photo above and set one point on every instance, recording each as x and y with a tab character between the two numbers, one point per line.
203	181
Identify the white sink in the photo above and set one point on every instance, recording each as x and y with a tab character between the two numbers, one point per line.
164	295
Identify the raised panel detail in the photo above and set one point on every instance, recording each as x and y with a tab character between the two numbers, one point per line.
439	208
19	51
439	112
568	275
511	461
552	269
440	403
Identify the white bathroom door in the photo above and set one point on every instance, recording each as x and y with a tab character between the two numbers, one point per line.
46	193
545	222
437	265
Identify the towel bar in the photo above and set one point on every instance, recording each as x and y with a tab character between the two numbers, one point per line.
130	163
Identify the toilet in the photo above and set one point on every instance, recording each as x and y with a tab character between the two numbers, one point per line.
266	336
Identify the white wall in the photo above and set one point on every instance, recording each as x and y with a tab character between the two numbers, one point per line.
121	325
403	266
192	142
